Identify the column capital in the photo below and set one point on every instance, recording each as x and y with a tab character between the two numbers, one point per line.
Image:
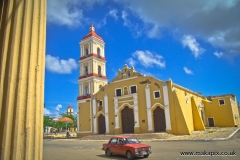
147	87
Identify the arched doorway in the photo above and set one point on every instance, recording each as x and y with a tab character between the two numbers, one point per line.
159	120
101	125
127	120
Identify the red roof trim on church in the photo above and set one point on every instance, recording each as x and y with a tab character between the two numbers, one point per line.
93	74
92	34
93	55
84	97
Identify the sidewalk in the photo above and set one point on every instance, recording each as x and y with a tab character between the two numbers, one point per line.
59	135
213	133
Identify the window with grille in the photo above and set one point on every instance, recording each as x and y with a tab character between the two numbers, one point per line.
133	89
221	102
156	94
100	103
118	92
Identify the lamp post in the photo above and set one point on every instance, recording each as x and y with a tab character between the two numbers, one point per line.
66	123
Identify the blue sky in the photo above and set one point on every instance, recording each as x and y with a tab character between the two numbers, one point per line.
195	43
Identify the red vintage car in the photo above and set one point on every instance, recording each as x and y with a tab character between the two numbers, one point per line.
126	145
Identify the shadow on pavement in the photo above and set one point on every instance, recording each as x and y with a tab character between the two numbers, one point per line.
117	157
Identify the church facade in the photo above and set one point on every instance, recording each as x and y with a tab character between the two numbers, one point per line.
135	103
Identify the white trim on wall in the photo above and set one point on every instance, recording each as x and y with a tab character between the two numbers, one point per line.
148	107
166	107
106	112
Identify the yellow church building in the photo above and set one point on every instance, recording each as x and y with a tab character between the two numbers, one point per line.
135	103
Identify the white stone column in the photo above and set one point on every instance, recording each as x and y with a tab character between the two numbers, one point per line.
82	93
94	66
106	112
91	46
89	87
90	68
166	107
104	70
94	116
79	89
116	113
81	70
81	53
103	51
148	104
78	119
149	116
135	105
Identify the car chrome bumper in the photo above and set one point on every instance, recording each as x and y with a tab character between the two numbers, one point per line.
142	153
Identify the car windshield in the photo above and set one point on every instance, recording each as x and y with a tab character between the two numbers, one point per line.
131	140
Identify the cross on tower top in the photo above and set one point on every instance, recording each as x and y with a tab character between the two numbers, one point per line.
92	27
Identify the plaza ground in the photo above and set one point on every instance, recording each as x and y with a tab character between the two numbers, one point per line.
79	149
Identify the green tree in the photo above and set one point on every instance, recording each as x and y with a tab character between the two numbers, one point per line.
47	121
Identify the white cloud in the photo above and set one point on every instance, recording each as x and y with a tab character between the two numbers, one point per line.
54	64
210	5
218	54
113	13
187	71
47	112
217	38
148	59
131	61
69	12
64	12
58	107
126	22
190	42
215	21
145	73
135	29
154	32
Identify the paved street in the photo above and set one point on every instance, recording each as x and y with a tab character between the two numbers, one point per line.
74	149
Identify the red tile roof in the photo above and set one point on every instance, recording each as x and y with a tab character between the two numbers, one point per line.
65	119
92	33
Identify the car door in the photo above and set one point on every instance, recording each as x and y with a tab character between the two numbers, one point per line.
120	149
113	145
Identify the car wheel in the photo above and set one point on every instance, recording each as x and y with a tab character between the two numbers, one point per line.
129	155
108	153
146	156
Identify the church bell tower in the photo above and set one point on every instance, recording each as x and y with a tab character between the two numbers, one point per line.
92	65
